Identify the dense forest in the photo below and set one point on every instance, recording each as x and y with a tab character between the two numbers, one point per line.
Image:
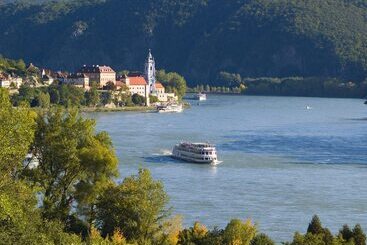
197	38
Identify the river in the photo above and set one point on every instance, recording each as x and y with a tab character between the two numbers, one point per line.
284	159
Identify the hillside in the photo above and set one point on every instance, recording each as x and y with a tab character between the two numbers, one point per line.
197	38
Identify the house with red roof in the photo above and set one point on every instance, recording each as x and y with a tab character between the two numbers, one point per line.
137	85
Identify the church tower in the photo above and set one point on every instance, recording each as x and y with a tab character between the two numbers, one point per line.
149	72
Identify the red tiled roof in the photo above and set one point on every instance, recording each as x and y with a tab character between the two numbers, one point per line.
158	85
137	81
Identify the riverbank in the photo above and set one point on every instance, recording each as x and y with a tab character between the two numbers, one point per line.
186	105
118	109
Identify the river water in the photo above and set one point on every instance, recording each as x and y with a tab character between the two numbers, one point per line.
284	159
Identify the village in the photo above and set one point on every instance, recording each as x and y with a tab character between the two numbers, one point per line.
102	78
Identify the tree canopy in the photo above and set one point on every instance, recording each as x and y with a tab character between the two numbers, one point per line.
197	38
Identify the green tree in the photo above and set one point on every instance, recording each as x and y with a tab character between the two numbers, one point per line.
106	98
72	159
137	99
110	86
173	82
308	239
26	93
193	235
239	233
137	207
54	95
44	100
153	99
213	237
262	239
346	233
20	220
358	235
315	226
16	134
92	96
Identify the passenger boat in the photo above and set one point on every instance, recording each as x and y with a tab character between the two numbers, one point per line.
196	152
200	96
170	108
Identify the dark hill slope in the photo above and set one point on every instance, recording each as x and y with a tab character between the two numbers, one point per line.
197	38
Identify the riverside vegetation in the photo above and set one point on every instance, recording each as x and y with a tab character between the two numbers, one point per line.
72	197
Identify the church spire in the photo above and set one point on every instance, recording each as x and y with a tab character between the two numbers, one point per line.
149	72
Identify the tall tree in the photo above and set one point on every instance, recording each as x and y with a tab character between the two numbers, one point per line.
74	162
92	96
262	239
137	207
315	226
359	236
239	233
173	82
16	134
20	220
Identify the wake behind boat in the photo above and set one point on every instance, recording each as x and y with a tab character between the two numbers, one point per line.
196	152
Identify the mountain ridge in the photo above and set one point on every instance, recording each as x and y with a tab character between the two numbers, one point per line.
199	39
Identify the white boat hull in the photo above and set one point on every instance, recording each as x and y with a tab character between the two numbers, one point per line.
200	97
194	157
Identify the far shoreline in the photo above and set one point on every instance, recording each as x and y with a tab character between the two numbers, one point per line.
118	109
279	95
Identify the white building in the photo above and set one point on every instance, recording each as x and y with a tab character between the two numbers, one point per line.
147	84
161	94
4	83
137	85
78	80
100	75
47	77
7	81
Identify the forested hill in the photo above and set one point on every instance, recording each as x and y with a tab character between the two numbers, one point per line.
197	38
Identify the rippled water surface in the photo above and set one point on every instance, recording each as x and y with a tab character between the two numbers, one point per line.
284	159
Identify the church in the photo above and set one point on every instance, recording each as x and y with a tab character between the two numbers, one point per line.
146	84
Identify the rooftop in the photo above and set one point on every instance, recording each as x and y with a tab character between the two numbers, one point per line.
96	69
158	85
137	81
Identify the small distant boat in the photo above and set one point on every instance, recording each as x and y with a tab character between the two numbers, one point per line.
308	107
365	102
170	108
196	152
200	96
